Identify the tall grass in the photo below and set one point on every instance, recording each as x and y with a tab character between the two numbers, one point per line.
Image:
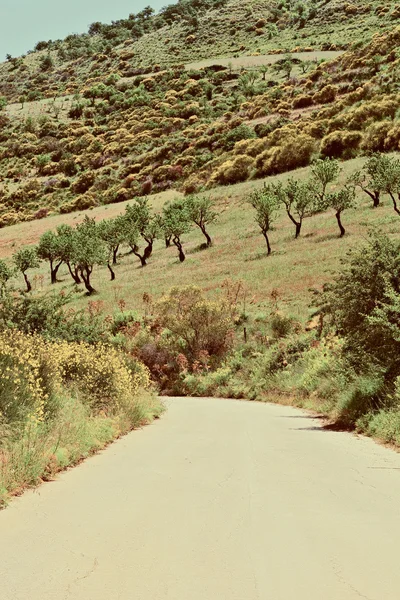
61	402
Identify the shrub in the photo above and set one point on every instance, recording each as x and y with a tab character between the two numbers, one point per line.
293	153
326	95
341	144
360	397
375	137
241	132
302	102
233	171
196	325
363	305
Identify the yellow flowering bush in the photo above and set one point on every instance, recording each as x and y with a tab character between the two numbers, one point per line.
28	377
35	371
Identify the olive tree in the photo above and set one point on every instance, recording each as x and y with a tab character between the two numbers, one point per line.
265	202
50	249
66	242
143	224
175	223
298	198
324	172
113	233
389	182
89	250
5	275
370	179
24	259
200	210
340	201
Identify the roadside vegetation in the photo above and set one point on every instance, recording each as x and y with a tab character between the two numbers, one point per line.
65	390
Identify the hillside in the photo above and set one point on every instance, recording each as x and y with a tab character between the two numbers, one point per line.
186	129
238	252
192	30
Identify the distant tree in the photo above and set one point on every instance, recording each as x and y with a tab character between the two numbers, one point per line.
285	66
200	210
5	275
66	241
305	66
146	13
298	199
371	177
176	223
246	83
324	172
3	102
94	92
24	259
22	100
89	250
340	201
389	182
95	28
265	202
49	248
46	62
264	70
42	45
113	234
142	222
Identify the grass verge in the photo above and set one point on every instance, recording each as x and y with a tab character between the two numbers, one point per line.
42	450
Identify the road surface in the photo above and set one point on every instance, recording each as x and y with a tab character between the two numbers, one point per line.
219	500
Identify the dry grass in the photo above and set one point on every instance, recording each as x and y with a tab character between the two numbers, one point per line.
40	108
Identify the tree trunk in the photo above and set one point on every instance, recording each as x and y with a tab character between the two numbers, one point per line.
86	280
77	278
135	251
74	274
115	252
28	283
54	271
209	240
178	244
167	241
339	221
148	250
297	224
375	197
111	271
265	234
395	203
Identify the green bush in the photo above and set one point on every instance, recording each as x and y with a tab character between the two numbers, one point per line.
362	396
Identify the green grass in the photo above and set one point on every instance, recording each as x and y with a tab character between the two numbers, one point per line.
238	253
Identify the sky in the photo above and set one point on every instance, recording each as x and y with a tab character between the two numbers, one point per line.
25	22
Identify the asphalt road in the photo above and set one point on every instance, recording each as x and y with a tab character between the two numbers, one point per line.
219	500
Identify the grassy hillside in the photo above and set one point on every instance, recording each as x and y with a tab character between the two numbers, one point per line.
238	254
191	30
